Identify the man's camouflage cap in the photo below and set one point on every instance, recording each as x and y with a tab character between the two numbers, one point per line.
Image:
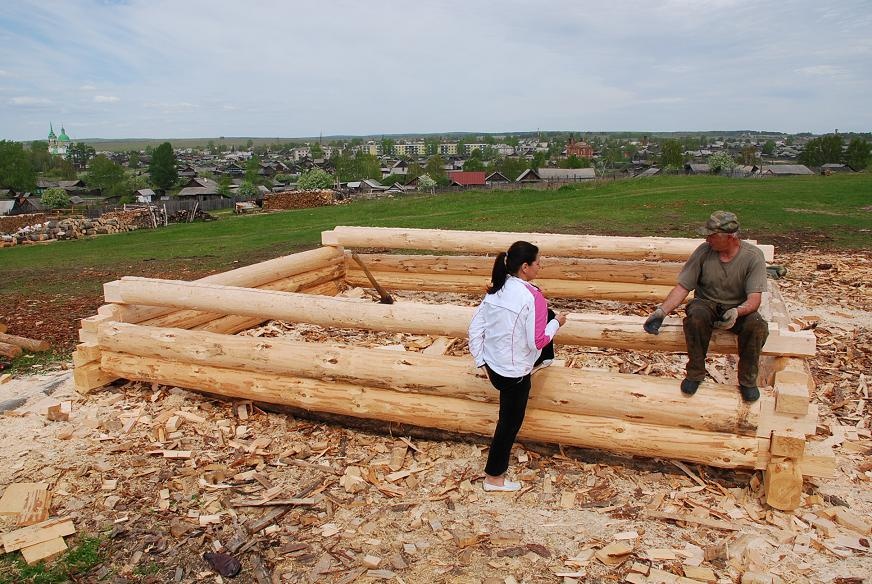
720	222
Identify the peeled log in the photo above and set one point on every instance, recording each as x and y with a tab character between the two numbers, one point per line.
252	276
444	413
553	268
409	317
10	351
613	395
32	345
590	290
579	246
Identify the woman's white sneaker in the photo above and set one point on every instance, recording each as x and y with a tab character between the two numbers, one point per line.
507	486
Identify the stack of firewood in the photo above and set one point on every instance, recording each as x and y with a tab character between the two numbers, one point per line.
298	199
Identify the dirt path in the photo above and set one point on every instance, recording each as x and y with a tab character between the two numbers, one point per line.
386	509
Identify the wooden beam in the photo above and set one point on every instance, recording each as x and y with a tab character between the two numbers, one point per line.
10	351
439	320
789	444
445	413
782	483
553	268
32	345
632	398
251	276
600	246
90	376
576	289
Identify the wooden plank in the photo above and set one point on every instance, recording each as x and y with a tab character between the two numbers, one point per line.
15	496
37	502
772	421
706	521
44	551
580	246
89	377
34	534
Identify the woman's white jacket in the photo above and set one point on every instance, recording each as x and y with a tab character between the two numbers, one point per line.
510	327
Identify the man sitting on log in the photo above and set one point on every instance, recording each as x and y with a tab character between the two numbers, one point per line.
728	277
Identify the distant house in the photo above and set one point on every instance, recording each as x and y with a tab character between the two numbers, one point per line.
396	188
369	185
467	179
187	172
24	205
831	167
495	178
201	182
786	170
579	149
648	172
145	196
202	189
697	168
566	174
529	176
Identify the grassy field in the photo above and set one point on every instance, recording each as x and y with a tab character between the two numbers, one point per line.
833	212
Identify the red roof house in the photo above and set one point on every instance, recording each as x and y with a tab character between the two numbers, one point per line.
467	179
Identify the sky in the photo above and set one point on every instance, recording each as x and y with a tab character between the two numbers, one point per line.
281	68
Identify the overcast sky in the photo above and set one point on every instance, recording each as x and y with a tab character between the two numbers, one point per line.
177	68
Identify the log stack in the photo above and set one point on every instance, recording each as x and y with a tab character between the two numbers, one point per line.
180	333
298	199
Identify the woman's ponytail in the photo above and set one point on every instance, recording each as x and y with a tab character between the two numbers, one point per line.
520	253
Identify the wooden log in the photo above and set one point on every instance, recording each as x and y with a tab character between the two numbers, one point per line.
449	321
632	398
32	345
10	351
3	328
251	276
791	398
553	268
445	413
599	246
297	283
782	483
90	376
818	460
577	289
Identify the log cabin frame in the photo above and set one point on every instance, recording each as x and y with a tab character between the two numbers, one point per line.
183	334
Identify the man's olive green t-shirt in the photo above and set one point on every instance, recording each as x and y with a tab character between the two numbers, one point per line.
725	283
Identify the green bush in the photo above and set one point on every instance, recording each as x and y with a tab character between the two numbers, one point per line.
55	199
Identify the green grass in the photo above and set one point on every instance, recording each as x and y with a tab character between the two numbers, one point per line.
84	556
830	211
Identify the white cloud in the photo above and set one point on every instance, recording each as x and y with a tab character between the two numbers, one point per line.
87	88
4	73
822	71
26	100
106	98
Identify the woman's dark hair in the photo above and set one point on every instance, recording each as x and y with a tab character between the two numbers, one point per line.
520	253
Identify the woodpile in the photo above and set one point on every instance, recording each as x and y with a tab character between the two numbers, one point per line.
12	223
65	229
298	199
186	216
187	344
140	217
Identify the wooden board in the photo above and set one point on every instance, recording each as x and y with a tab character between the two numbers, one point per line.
34	534
44	551
14	499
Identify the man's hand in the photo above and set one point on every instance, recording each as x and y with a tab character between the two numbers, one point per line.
728	319
560	318
652	325
479	371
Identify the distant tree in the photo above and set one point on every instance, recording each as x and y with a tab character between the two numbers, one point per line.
859	154
249	144
474	163
749	156
720	162
55	199
425	182
415	170
823	150
16	171
511	168
387	146
80	154
252	168
133	159
162	168
436	168
316	151
574	162
671	154
248	190
539	160
61	169
315	179
105	175
224	186
769	147
392	179
40	159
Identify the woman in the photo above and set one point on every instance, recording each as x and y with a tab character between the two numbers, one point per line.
511	336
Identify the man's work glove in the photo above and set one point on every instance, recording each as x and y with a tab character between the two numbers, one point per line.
728	319
652	325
